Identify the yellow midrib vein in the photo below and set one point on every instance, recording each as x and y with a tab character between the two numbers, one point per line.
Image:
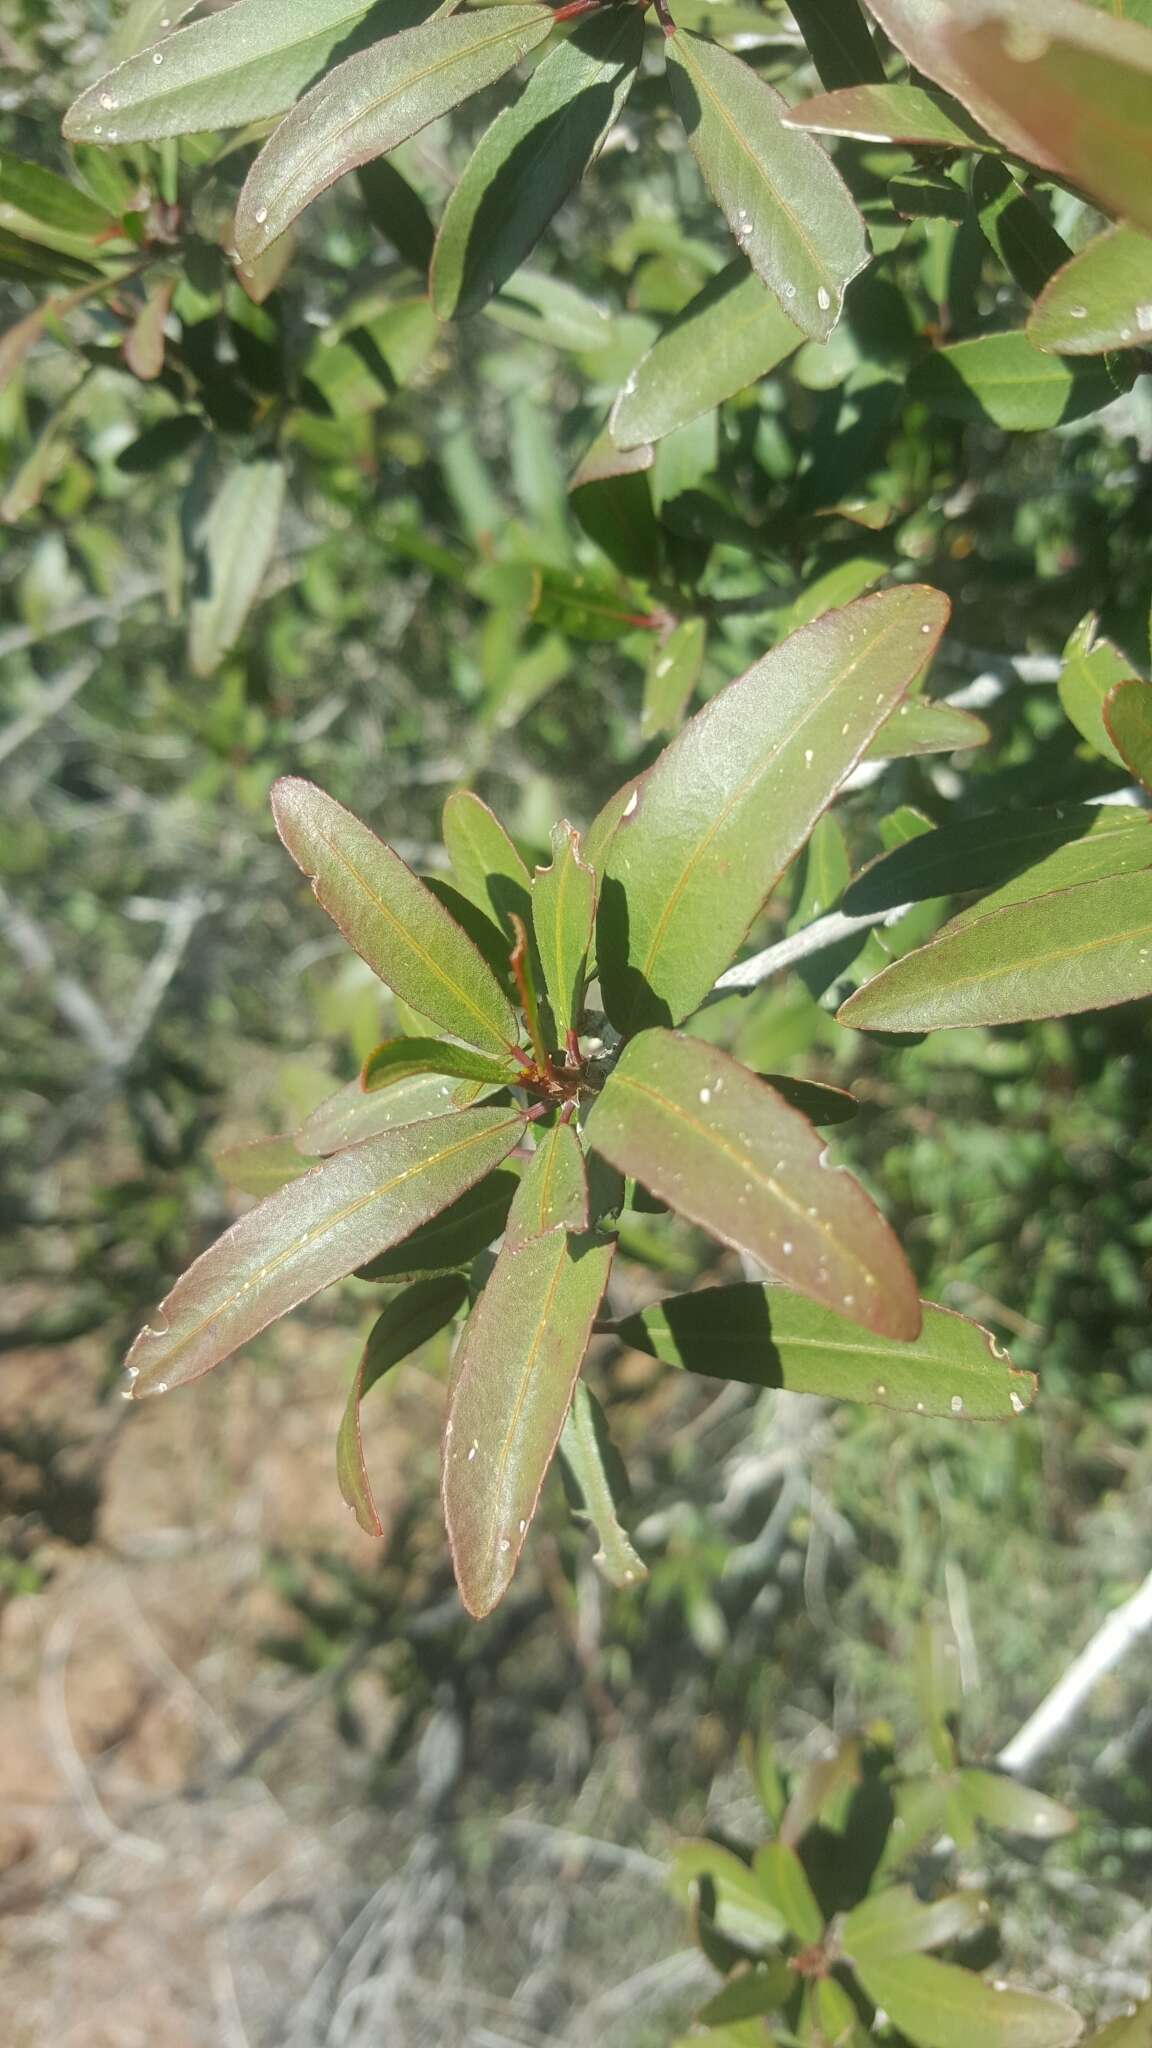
505	1451
1045	959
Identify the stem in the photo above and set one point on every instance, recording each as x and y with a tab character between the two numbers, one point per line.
664	18
575	7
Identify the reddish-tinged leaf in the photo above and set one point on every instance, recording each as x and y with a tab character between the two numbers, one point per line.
312	1232
406	1324
722	1148
350	1116
144	341
1128	722
513	1380
455	1237
391	919
554	1189
890	113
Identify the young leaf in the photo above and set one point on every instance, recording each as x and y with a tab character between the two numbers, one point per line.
531	158
894	1922
406	1324
940	2006
563	916
782	1878
783	199
372	103
768	1337
316	1230
600	1481
1091	669
699	843
230	547
1100	300
730	335
1003	1803
390	918
554	1190
350	1116
718	1145
891	113
1086	948
231	68
485	865
673	673
1128	723
514	1376
398	1059
455	1237
1001	377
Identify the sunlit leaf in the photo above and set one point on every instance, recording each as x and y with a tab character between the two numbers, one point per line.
1003	1803
891	113
397	1059
731	334
1003	378
261	1166
742	1908
1128	723
920	726
230	547
554	1189
485	865
349	1116
37	204
894	1922
406	1324
782	1878
454	1238
1006	856
563	916
1132	2030
940	2006
599	1482
1101	300
673	672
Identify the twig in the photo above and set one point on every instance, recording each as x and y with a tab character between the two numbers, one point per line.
814	938
1109	1646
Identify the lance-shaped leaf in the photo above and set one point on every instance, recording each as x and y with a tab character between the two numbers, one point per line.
600	1483
816	1100
398	1059
1001	377
514	1376
722	1148
455	1237
1010	855
769	1337
230	547
743	1911
373	102
700	842
239	65
783	199
531	158
941	2006
312	1232
485	865
730	335
782	1878
261	1166
1086	948
1101	300
894	1922
891	113
350	1116
44	208
839	41
1092	667
406	1324
563	917
390	918
1128	722
921	726
1003	1803
1017	228
554	1189
673	673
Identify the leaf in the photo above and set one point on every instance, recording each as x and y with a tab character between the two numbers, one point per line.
1132	2030
531	157
838	40
1012	855
1016	228
783	199
1128	723
455	1237
27	263
1080	949
230	547
921	726
743	1911
515	1372
1100	300
553	1193
373	102
261	1166
563	918
730	335
891	113
720	1147
145	340
397	1059
1003	1803
717	819
673	672
397	211
406	1324
754	1992
548	309
598	1479
316	1230
241	64
41	206
1001	377
894	1922
941	2006
390	918
817	1101
1091	670
782	1878
768	1337
485	865
350	1116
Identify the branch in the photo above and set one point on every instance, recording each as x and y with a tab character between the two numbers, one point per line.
1109	1646
815	938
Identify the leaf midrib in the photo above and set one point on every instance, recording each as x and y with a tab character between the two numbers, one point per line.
1045	959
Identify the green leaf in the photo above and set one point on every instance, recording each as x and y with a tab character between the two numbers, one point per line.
1092	668
230	546
454	1238
752	1993
397	1059
406	1324
743	1911
783	1880
783	199
261	1166
1003	1803
838	586
891	113
1006	856
817	1101
397	211
373	102
1016	227
730	335
36	203
514	1377
1001	377
1101	300
941	2006
768	1337
920	726
838	40
599	1479
390	918
1086	948
349	1116
1128	723
720	1147
485	865
1132	2030
673	672
239	65
27	263
894	1922
700	842
548	309
554	1190
531	158
315	1231
563	919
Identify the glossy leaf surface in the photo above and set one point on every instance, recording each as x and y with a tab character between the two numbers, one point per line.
1128	723
941	2006
1006	856
728	804
553	1192
891	113
398	1059
485	865
920	726
514	1376
1003	378
785	203
729	336
591	1459
314	1231
563	918
722	1148
390	918
455	1237
230	550
894	1922
406	1324
1101	300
